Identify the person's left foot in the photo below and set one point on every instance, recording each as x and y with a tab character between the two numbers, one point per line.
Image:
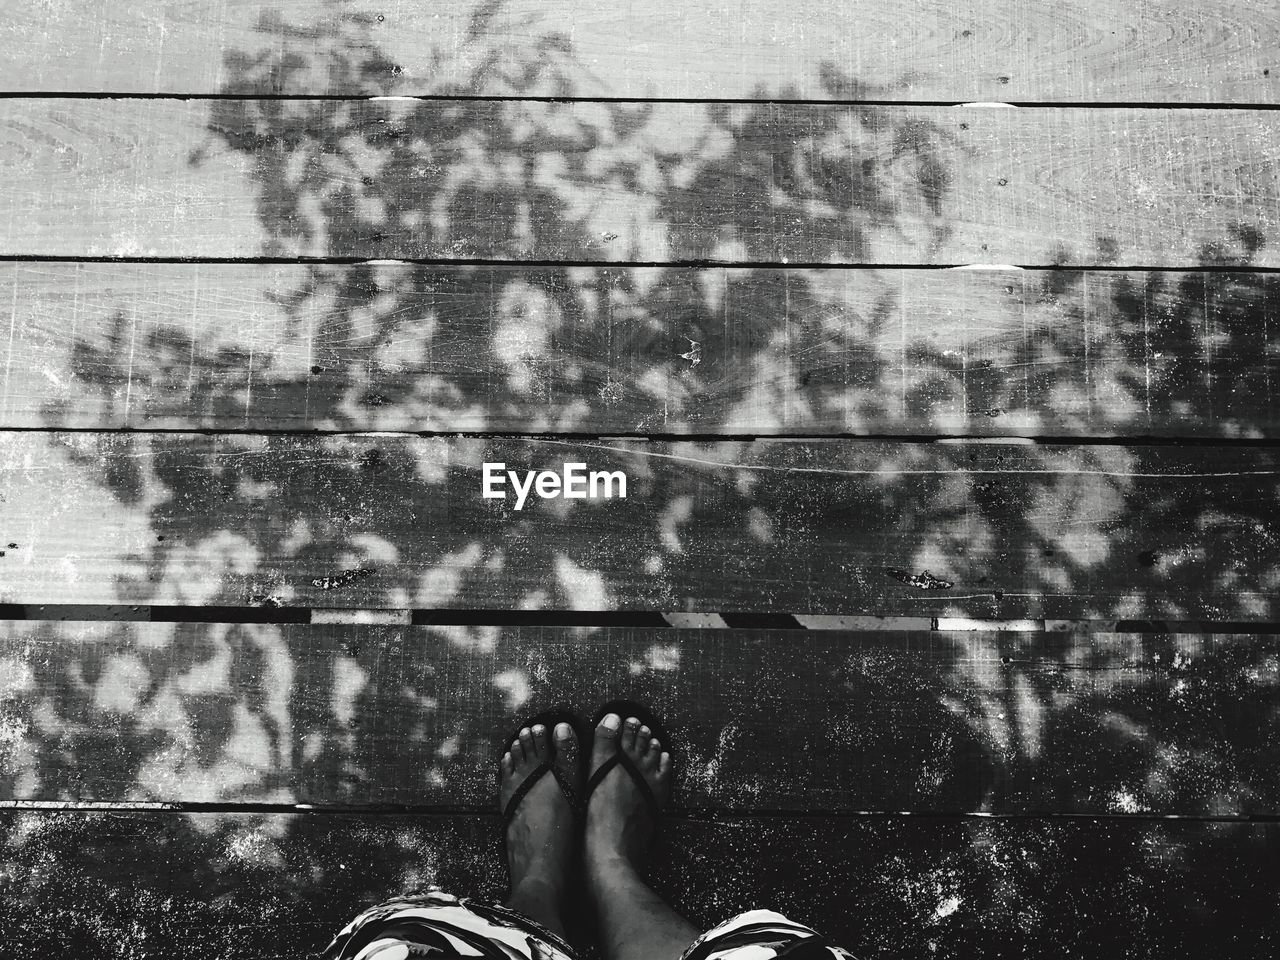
540	837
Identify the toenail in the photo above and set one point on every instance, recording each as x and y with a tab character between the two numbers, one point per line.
611	721
654	745
645	731
539	730
562	731
632	722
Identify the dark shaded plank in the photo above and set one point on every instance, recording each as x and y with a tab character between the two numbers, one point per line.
989	529
255	888
971	50
635	182
957	722
405	347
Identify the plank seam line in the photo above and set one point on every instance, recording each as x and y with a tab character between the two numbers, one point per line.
685	813
694	264
745	101
636	619
943	439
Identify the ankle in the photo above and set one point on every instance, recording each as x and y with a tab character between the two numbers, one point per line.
539	885
540	900
609	869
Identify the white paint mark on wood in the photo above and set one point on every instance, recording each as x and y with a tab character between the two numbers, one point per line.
968	624
335	615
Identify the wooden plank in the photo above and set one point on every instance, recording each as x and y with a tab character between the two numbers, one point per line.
961	722
243	887
525	180
909	49
526	349
986	529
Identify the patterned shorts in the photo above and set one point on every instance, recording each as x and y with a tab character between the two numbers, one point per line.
444	927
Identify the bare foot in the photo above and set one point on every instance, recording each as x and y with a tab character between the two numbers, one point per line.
620	823
540	837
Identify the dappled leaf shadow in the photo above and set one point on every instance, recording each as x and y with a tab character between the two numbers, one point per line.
222	713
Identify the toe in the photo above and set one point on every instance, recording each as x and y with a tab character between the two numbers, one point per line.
517	752
565	752
541	744
566	742
664	765
607	731
526	741
629	730
648	760
507	765
643	735
609	725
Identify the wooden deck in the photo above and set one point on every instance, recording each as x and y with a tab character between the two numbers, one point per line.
936	341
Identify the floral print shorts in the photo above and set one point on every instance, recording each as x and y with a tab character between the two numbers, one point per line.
445	927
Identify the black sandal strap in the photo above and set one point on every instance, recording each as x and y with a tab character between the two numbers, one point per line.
529	782
576	803
522	791
628	765
602	771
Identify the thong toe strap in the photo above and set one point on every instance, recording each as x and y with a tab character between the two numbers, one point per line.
621	758
529	782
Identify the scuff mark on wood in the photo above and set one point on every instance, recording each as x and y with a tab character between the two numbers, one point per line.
694	355
921	581
342	579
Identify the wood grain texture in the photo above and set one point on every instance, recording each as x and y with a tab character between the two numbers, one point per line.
708	351
228	887
832	527
910	49
949	722
636	182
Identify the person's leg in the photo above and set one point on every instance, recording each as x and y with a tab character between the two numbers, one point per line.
635	923
540	838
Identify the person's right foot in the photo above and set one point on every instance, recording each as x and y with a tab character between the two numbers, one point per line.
540	836
620	825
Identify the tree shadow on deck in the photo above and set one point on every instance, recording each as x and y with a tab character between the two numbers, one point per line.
225	713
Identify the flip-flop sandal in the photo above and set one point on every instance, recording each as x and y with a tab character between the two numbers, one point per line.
647	718
549	719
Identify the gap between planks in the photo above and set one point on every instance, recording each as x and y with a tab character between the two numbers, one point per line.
728	101
1228	267
282	615
704	813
